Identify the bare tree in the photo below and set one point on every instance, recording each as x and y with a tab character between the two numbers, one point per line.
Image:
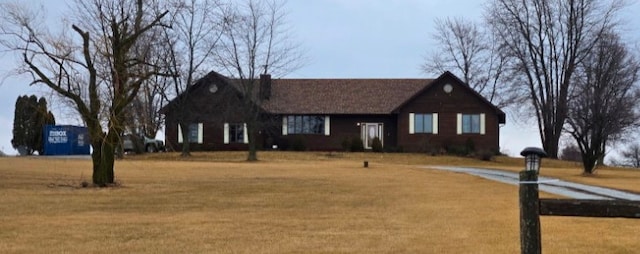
255	41
143	116
465	48
196	28
101	65
604	106
545	41
631	156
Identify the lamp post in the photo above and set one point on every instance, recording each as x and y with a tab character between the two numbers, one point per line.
532	157
529	202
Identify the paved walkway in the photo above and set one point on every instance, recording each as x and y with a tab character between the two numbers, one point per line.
546	184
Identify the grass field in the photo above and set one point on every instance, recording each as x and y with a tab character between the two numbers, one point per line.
288	203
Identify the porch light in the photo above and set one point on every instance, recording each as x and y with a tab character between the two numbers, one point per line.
532	157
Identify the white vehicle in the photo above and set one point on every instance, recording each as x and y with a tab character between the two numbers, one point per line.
150	145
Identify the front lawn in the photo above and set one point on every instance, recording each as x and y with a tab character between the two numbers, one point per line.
286	203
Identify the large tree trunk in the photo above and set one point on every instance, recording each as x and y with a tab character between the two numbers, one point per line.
103	157
98	177
591	152
103	161
186	149
550	142
604	152
589	163
551	147
253	153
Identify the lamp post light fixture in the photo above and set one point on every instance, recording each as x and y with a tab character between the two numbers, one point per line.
532	157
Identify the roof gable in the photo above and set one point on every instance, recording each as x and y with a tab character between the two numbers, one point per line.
197	88
449	76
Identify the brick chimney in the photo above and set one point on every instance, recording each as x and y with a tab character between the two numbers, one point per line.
265	86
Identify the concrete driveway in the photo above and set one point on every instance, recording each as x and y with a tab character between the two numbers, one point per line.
546	184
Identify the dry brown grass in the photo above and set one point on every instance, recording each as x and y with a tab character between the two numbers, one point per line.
287	203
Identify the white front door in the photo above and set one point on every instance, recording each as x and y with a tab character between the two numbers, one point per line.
371	131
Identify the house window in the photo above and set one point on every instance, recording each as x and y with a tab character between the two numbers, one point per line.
236	133
305	124
471	123
423	123
194	133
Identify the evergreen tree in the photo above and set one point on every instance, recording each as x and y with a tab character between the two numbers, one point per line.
43	117
31	130
30	117
19	122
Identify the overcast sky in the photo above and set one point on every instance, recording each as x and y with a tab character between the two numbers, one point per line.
342	39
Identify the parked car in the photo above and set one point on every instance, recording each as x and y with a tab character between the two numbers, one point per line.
148	144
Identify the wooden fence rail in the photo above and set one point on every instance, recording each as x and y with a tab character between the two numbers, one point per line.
590	208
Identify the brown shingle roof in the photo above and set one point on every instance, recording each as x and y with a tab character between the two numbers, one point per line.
341	96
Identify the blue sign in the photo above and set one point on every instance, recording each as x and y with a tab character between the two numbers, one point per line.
66	140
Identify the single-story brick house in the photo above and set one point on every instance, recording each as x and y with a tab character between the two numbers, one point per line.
413	115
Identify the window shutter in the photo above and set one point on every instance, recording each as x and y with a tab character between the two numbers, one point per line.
381	133
459	124
200	136
482	124
284	126
327	126
412	118
226	133
179	134
434	120
245	134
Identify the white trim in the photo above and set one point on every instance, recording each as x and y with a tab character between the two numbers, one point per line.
327	126
459	124
483	130
381	133
363	133
434	120
284	126
200	136
179	134
367	142
412	117
245	134
226	133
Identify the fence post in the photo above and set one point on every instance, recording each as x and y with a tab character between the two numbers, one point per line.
529	213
